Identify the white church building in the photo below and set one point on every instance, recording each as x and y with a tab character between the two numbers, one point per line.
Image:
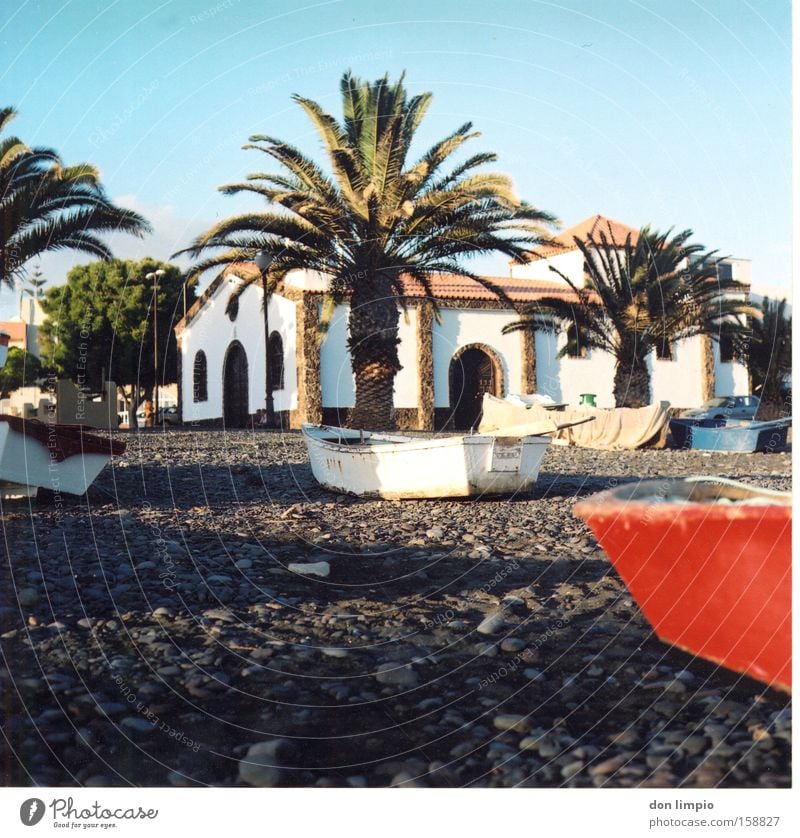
447	364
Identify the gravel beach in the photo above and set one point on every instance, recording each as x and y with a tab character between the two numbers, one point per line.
207	615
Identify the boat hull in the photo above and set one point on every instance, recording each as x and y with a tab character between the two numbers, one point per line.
734	436
395	467
32	463
713	579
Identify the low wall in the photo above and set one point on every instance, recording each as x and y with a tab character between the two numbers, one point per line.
74	408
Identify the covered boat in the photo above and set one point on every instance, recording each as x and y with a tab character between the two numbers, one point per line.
730	434
391	466
62	458
615	429
709	562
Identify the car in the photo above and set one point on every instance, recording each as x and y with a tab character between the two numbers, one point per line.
725	407
170	415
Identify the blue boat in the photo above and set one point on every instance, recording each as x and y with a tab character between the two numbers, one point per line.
730	434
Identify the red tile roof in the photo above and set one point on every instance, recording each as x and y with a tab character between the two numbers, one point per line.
453	287
592	226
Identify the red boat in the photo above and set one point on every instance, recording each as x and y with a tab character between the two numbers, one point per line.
709	562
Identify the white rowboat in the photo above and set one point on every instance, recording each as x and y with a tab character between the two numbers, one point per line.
391	466
62	458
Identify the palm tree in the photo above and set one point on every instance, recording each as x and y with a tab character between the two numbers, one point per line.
769	356
378	215
45	206
639	298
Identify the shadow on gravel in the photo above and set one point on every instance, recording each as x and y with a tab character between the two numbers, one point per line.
244	656
293	483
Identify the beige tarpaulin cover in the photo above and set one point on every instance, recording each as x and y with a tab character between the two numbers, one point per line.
619	428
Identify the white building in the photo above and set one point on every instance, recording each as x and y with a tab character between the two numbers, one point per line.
447	364
23	329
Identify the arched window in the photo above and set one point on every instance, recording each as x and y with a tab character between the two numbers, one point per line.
276	361
200	377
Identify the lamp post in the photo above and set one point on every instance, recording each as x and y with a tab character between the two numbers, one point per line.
155	276
264	260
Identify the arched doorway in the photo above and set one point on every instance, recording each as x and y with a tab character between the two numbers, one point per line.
474	370
235	402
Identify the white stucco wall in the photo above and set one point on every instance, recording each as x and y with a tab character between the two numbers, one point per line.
406	384
680	381
730	378
465	327
212	332
336	375
564	379
569	263
283	319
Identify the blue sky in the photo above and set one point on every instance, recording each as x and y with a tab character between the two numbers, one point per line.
669	112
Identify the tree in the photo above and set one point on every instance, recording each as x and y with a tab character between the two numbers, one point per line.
769	356
34	287
377	216
640	298
99	326
21	370
45	206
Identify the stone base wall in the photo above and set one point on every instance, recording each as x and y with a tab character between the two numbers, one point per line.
407	419
335	416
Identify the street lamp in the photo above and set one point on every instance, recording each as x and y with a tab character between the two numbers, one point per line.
155	276
264	260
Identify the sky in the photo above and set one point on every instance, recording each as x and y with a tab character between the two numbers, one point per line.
672	113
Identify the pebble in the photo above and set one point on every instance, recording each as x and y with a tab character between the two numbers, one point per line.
510	721
27	597
492	624
608	766
407	780
311	569
571	769
396	674
260	766
694	745
375	663
137	724
332	652
110	708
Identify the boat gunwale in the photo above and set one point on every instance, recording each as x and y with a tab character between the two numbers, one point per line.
400	444
631	499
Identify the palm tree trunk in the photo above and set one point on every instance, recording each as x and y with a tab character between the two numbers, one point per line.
631	384
708	372
372	341
528	337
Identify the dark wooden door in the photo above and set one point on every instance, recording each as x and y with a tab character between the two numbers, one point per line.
471	375
234	389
